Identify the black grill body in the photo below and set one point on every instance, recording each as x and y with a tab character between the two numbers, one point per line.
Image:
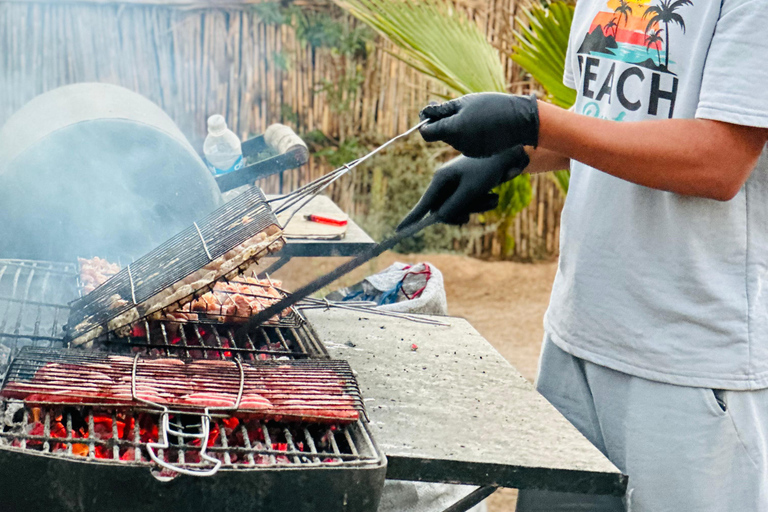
33	481
33	310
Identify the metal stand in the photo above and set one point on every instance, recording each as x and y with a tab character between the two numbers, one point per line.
472	499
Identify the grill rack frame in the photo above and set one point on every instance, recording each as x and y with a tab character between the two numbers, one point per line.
291	319
361	446
34	301
33	304
311	375
136	288
297	342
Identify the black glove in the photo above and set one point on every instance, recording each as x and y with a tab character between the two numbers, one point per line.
463	187
481	125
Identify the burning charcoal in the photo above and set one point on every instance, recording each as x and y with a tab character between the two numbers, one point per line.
128	454
213	435
34	429
148	431
103	427
102	452
231	423
80	449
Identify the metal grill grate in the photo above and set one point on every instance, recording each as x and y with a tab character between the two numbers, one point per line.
33	304
301	390
212	341
122	436
234	301
242	230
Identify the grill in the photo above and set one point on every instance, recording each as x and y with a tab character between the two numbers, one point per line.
213	341
33	304
34	310
222	244
121	436
108	456
305	390
100	406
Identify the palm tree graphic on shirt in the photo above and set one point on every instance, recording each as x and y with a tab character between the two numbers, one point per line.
653	39
628	30
623	10
665	13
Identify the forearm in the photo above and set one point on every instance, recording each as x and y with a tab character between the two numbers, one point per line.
686	156
545	160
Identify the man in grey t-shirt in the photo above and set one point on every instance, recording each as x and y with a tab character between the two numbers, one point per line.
657	333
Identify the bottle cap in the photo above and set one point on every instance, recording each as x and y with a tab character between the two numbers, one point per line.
217	124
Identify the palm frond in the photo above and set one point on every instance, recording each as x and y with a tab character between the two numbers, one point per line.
542	45
542	41
680	3
676	18
437	40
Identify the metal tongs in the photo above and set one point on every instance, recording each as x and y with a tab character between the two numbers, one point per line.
320	283
304	194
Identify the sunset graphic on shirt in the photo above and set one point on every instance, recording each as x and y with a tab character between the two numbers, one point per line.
639	32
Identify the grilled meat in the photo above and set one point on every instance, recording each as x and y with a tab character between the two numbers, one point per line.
94	272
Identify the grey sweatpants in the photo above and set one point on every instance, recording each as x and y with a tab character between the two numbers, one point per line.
685	449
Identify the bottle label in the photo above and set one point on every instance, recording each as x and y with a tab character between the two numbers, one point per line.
218	172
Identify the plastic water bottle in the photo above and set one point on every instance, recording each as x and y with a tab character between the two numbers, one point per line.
222	149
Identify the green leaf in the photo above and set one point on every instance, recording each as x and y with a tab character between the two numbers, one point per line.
436	39
542	43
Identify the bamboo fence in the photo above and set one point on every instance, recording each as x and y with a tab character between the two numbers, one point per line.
196	59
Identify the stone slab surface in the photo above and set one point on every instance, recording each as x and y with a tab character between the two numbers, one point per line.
454	410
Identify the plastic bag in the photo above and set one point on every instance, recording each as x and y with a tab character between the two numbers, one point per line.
403	288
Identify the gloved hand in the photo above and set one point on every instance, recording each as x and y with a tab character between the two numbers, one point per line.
463	186
481	125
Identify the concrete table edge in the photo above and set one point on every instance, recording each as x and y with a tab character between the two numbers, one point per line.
538	450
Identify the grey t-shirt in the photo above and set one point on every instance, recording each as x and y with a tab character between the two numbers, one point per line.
651	283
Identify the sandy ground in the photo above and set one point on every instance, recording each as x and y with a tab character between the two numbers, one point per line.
504	301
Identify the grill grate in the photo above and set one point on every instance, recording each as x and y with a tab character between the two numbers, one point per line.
122	436
301	390
242	230
33	304
234	301
214	341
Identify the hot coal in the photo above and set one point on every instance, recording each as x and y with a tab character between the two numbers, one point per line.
122	436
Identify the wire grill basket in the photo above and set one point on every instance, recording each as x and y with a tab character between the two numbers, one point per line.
220	246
